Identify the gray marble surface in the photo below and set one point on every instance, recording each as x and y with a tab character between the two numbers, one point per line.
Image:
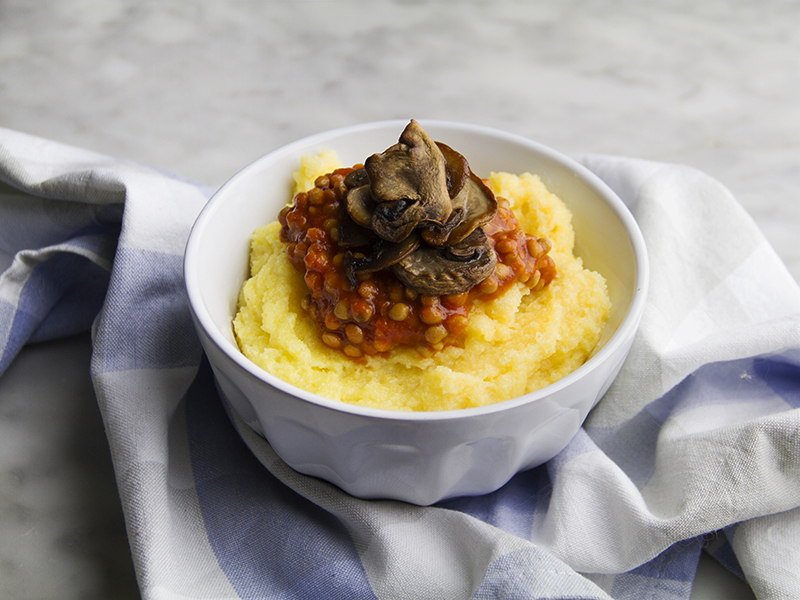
201	89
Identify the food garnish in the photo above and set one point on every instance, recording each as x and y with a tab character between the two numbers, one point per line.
395	251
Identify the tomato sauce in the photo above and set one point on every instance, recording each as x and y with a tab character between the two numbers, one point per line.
381	312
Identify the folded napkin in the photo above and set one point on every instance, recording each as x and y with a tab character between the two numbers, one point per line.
695	447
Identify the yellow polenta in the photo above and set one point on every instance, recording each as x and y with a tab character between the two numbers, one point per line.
513	345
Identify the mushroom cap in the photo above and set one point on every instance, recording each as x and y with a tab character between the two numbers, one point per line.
356	178
360	205
456	168
474	206
478	206
408	183
438	271
384	255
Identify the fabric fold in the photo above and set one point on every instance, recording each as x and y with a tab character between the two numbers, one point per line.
696	445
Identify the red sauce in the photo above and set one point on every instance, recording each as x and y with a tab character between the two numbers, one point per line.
381	312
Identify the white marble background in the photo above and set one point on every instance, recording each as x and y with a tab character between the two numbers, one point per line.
201	89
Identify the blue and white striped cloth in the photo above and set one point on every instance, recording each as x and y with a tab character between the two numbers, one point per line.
695	448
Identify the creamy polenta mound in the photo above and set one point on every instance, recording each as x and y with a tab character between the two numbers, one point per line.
517	343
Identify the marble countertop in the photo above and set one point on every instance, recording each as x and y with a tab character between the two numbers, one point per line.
203	89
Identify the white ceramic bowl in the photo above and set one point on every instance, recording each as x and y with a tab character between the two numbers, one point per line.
415	457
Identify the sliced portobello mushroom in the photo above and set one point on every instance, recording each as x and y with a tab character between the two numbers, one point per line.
394	221
408	183
473	207
356	178
438	271
384	255
456	168
424	208
438	235
360	205
479	206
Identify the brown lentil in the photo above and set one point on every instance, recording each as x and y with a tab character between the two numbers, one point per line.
489	285
342	310
455	300
354	333
361	310
455	324
367	289
332	340
435	334
399	311
331	322
431	315
352	351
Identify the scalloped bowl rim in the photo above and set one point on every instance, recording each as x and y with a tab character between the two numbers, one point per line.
625	331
